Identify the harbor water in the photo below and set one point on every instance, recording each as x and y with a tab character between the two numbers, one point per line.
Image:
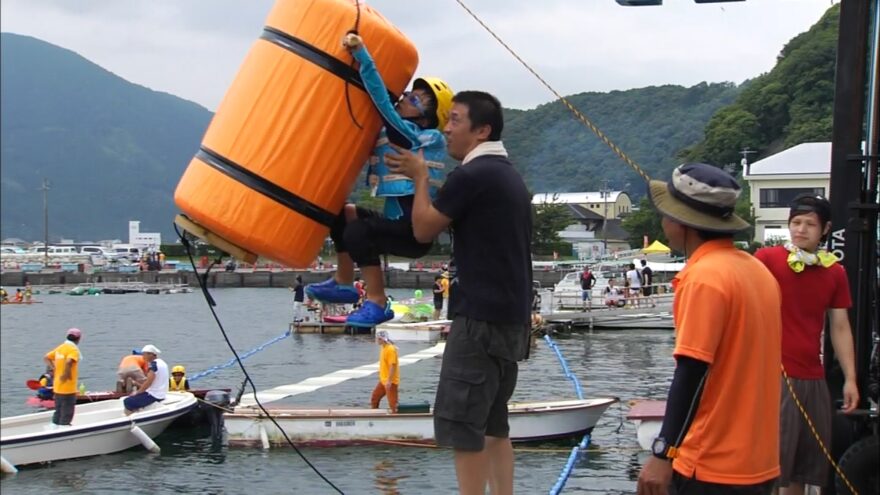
629	364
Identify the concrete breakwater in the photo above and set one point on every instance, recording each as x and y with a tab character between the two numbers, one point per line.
220	279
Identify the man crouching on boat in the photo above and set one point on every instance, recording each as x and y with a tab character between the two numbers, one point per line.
156	385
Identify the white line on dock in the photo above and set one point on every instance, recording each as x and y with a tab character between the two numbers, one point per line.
339	376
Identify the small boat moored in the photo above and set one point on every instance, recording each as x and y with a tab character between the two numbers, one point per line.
647	415
98	428
531	421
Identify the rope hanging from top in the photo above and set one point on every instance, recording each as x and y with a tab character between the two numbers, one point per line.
587	122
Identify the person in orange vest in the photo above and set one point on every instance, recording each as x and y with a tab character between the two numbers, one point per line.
177	382
132	372
19	295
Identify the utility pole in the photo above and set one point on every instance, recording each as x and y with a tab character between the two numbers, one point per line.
45	190
604	192
745	160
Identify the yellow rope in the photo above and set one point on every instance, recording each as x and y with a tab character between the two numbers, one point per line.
590	125
230	411
816	434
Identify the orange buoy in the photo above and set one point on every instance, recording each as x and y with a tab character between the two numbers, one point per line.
284	148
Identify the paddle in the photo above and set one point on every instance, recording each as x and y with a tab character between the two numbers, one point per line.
34	384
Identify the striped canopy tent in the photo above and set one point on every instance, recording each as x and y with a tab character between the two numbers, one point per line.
656	247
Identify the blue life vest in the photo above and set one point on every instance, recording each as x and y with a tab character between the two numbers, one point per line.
402	132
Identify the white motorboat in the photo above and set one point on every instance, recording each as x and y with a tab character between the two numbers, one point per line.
530	421
423	331
97	428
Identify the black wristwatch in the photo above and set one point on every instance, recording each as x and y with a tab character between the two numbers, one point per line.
662	450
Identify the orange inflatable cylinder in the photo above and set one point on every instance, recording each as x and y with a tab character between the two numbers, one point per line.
284	148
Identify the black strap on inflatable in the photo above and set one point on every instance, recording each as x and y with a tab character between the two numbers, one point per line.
263	186
317	56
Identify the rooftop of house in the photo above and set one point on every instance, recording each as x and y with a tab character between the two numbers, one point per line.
805	158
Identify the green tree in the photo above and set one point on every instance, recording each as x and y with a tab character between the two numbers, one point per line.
644	222
550	218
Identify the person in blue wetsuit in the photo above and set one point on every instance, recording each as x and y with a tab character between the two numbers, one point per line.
361	235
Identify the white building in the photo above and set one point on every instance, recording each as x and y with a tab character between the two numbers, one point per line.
610	204
776	180
597	229
144	240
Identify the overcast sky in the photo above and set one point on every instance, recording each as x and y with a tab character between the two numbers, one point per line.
193	48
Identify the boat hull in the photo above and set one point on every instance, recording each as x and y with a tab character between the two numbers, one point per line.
535	421
428	331
98	428
647	416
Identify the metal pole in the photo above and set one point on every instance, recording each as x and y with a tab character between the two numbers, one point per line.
605	219
854	206
45	189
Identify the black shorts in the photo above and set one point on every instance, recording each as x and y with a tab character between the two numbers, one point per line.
474	385
647	291
684	486
438	302
372	235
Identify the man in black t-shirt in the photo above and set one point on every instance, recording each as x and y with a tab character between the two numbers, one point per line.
488	207
648	283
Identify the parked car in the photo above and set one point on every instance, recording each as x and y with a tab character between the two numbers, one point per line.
130	253
106	253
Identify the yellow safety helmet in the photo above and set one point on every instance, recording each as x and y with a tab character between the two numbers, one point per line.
178	369
442	94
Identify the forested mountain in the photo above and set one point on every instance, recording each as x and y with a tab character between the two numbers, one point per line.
113	151
558	153
789	105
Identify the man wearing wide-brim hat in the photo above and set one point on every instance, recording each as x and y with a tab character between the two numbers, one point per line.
721	427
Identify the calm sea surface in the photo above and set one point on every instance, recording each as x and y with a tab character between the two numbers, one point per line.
627	364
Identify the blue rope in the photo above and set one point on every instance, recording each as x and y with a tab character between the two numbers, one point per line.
233	362
569	465
565	370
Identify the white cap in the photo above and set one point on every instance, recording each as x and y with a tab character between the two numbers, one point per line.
151	349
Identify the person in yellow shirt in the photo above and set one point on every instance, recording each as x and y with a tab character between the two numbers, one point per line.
64	361
389	373
445	282
178	382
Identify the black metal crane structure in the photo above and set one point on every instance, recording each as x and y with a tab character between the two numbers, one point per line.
854	234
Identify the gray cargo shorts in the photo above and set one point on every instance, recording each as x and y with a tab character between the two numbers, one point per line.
801	460
474	386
